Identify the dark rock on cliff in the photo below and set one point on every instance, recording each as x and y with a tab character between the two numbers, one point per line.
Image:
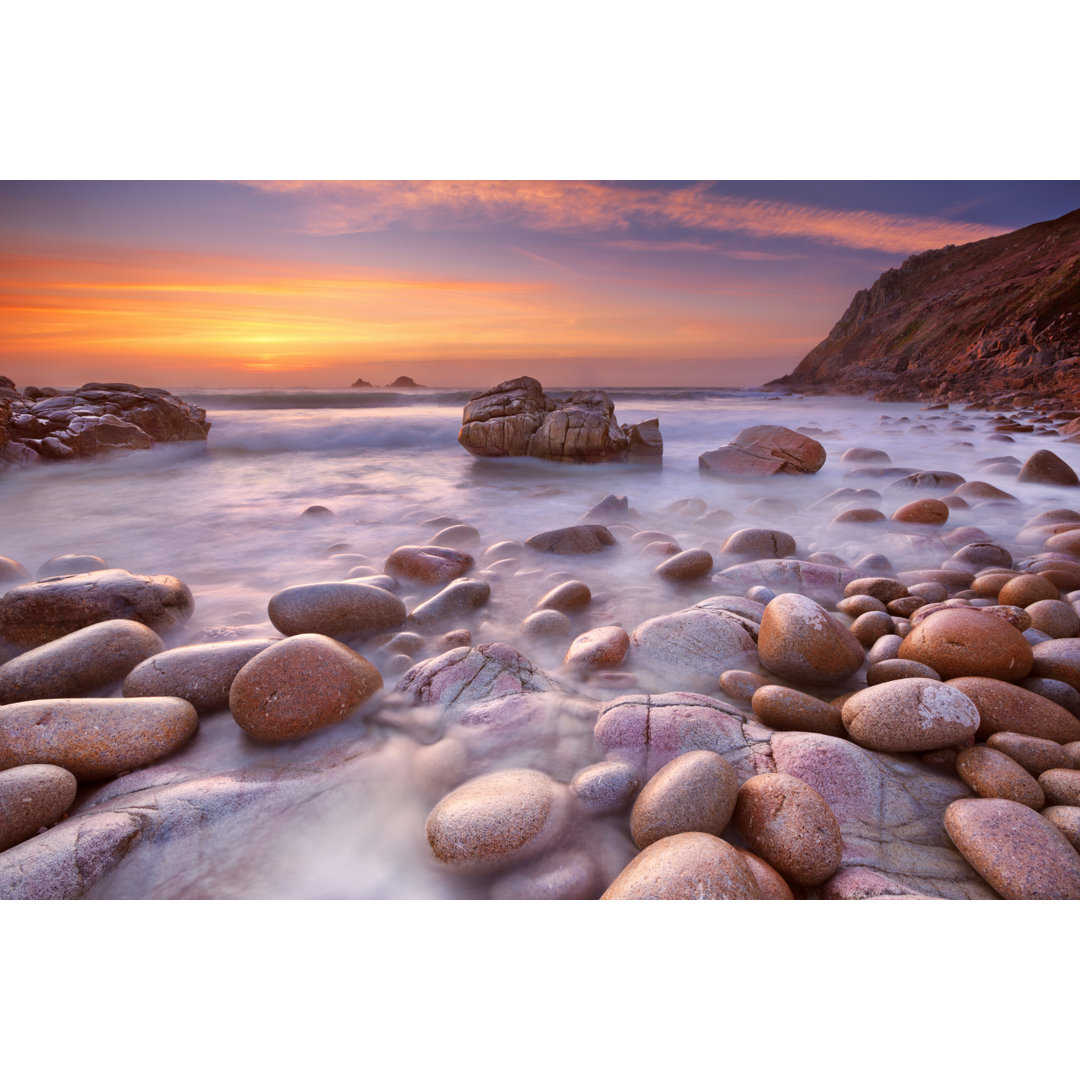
45	424
517	419
998	316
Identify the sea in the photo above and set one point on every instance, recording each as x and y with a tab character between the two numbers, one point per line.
227	518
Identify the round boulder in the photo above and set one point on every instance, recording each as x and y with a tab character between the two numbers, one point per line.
799	641
787	823
79	662
299	686
909	716
694	792
687	866
1015	850
965	641
336	609
94	738
32	797
497	819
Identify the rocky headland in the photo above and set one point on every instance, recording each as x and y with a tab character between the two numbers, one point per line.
991	323
45	424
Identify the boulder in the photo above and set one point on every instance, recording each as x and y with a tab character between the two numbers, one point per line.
1045	467
687	866
516	419
764	450
32	797
86	660
94	738
298	686
40	611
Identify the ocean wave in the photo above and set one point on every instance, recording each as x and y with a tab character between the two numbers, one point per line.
297	433
244	400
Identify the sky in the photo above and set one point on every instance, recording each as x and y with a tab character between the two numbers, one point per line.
459	283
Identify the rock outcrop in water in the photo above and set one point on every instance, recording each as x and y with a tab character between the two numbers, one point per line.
403	382
361	384
43	424
517	419
998	316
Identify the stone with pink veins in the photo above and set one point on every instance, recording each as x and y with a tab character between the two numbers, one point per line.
890	807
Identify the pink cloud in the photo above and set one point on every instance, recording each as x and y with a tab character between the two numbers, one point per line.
581	206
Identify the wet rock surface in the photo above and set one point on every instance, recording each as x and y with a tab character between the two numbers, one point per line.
95	419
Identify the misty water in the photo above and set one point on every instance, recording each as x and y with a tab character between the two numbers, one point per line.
225	518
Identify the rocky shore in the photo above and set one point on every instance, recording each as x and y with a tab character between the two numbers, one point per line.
871	692
995	323
45	424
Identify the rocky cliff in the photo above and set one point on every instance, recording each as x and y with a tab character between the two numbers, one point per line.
996	317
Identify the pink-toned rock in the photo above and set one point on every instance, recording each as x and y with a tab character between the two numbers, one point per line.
32	797
785	709
789	824
41	611
1045	467
765	450
649	730
335	609
94	738
771	886
1054	617
687	866
965	641
201	674
498	819
606	787
603	647
1035	755
881	588
759	544
741	685
687	565
572	540
428	565
561	875
1066	819
819	581
694	644
801	642
78	663
299	686
1059	660
859	883
694	792
890	670
1004	706
568	597
909	715
1025	589
1014	849
12	571
994	775
467	675
922	512
1062	786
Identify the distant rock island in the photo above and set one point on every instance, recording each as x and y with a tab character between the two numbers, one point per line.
402	382
995	319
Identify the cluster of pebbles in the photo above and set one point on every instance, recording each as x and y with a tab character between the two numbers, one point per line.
894	715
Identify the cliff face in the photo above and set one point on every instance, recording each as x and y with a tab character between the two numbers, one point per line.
995	317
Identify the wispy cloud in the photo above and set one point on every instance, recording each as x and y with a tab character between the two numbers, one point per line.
595	209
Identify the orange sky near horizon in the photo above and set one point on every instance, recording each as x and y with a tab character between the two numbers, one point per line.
250	321
458	283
